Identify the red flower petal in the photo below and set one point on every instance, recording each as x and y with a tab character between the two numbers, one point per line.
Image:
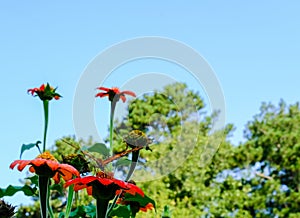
79	186
89	190
105	181
57	169
129	93
133	189
80	181
32	91
101	94
31	169
23	164
56	178
70	182
67	171
115	90
13	164
103	88
42	87
38	162
149	206
123	98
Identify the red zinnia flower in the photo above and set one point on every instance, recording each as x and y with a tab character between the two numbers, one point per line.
103	186
45	92
114	94
46	165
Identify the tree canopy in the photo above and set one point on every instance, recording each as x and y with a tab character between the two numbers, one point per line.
258	178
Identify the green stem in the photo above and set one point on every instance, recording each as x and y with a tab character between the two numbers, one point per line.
43	187
101	208
113	203
134	159
49	205
76	199
111	125
69	201
46	114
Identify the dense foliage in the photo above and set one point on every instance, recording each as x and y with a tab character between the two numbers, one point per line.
258	178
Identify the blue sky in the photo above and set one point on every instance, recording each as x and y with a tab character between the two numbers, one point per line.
253	47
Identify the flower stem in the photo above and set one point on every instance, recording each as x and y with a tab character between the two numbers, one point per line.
111	125
46	114
69	201
101	208
51	214
43	187
134	159
112	205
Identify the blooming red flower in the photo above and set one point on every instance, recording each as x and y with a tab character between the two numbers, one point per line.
114	94
46	165
45	92
103	186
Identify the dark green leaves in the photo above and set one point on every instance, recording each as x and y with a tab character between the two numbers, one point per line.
121	211
132	205
143	201
82	211
11	190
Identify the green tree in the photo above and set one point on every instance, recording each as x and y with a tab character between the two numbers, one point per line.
182	149
272	152
259	178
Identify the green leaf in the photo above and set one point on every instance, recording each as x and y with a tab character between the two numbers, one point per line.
57	187
90	210
143	201
28	147
69	200
34	179
79	211
11	190
122	162
99	148
121	211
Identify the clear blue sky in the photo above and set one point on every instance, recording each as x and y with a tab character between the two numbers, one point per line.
253	47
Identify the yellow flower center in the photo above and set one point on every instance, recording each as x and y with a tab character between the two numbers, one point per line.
47	155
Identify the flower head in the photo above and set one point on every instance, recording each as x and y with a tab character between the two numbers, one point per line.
137	138
114	94
103	186
45	92
78	161
46	165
